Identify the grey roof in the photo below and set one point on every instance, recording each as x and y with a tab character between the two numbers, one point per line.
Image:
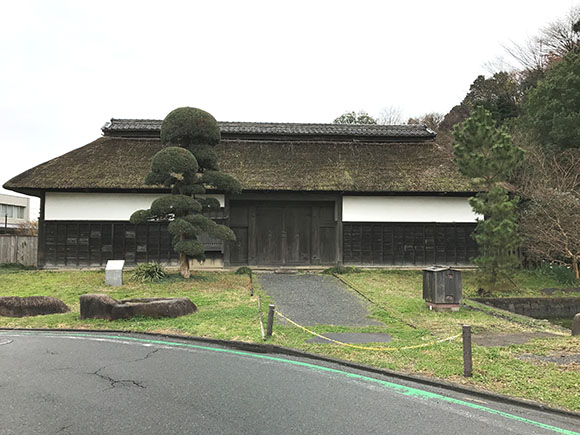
151	128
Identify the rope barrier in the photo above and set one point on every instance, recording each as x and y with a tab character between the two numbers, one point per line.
389	311
431	343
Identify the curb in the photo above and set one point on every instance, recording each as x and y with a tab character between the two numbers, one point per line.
270	348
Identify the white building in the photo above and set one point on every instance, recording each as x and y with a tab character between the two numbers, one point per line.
14	210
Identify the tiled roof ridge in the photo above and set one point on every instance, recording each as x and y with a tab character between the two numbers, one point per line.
119	125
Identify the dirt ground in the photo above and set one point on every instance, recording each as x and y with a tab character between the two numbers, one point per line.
490	340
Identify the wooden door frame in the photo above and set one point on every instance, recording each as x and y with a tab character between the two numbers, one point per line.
253	200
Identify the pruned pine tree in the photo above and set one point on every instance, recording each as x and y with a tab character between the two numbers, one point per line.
487	156
188	165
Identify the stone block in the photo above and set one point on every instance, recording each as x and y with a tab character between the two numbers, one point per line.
96	306
101	306
14	306
114	273
153	307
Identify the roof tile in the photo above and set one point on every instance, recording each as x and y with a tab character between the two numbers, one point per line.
151	128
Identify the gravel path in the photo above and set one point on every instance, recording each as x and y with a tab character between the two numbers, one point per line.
316	299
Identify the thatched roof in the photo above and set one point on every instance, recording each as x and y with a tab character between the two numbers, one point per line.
113	163
338	166
300	162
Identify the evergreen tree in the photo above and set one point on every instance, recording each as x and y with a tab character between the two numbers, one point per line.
361	117
500	94
487	156
188	165
552	109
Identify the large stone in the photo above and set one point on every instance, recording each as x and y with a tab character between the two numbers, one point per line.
14	306
576	325
100	306
153	307
97	306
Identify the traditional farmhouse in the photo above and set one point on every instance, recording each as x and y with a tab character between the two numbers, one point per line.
314	194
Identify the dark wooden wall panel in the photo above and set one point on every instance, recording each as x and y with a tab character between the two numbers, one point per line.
327	245
84	244
388	243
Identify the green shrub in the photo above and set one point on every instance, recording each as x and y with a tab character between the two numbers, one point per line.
562	274
244	270
149	272
341	270
173	160
187	126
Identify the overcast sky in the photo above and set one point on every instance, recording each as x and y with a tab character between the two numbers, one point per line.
67	67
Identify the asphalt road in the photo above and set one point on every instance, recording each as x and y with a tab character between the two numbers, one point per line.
68	383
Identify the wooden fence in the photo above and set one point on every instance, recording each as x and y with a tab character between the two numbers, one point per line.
18	249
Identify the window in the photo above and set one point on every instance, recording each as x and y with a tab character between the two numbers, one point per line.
11	211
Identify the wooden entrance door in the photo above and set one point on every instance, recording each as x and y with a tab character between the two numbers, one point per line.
283	233
268	235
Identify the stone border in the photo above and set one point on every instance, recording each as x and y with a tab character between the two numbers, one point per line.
270	348
539	308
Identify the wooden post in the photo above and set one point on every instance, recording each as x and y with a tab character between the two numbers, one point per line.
467	357
270	320
261	318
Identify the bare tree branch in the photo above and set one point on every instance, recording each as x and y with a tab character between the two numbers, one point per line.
390	115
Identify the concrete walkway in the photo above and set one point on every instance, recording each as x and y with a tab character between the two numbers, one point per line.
311	299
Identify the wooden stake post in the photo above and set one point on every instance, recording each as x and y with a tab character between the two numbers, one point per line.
467	357
270	325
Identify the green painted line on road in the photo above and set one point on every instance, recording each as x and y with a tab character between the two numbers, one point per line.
400	389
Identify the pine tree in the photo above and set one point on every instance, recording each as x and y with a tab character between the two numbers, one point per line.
188	165
487	156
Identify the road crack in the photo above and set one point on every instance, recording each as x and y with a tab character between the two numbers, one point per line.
116	382
154	351
122	382
62	429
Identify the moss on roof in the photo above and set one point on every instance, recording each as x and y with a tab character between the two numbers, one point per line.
122	163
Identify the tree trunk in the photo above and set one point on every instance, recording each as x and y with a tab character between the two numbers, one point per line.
184	265
575	268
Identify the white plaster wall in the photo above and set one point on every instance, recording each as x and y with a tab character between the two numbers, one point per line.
406	209
100	206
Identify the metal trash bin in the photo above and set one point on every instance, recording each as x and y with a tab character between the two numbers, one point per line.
442	288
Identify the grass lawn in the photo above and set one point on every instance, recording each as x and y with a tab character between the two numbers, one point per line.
409	321
525	283
227	311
